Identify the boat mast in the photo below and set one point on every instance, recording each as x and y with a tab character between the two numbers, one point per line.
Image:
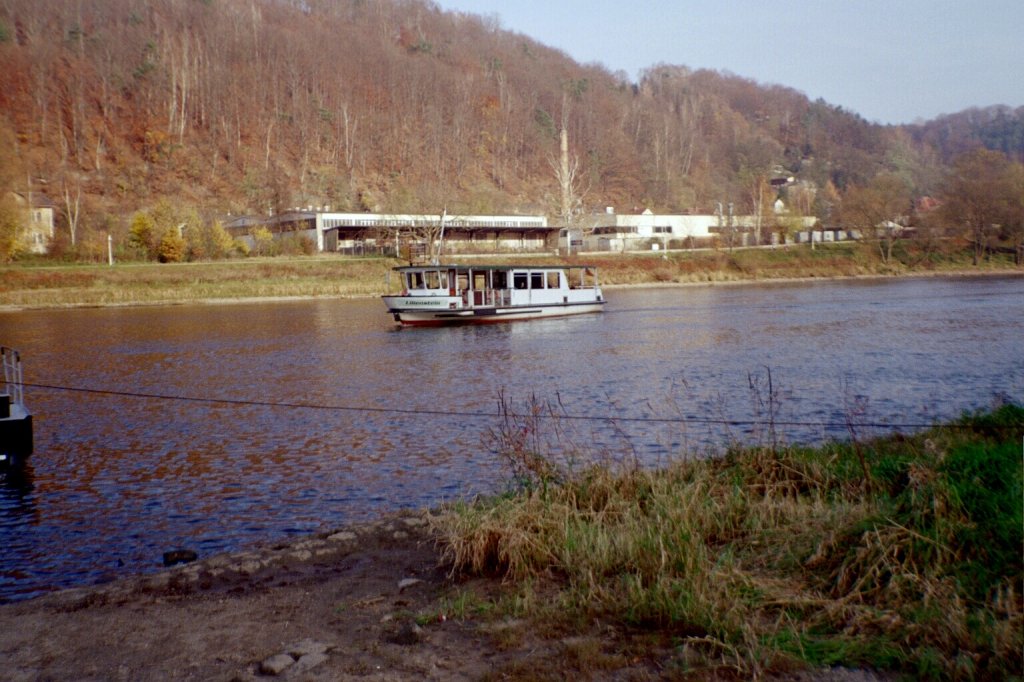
440	240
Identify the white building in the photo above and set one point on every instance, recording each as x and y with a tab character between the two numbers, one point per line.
333	231
610	231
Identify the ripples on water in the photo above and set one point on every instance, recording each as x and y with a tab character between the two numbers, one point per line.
116	480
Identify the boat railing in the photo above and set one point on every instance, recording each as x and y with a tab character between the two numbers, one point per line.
477	298
13	379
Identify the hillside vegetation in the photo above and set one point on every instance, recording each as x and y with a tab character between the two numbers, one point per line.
255	106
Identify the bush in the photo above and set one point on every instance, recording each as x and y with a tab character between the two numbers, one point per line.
172	247
263	242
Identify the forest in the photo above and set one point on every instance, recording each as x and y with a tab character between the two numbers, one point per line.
211	108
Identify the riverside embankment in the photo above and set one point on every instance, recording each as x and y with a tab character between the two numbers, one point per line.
42	284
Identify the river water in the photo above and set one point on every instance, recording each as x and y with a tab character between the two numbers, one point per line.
217	427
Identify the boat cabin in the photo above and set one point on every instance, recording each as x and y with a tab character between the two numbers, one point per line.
495	286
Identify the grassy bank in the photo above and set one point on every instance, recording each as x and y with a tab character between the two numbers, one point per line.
901	554
47	286
43	284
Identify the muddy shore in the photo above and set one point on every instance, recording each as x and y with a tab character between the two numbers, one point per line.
358	603
371	601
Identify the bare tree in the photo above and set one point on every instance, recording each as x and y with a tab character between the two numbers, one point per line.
982	194
878	210
567	173
71	208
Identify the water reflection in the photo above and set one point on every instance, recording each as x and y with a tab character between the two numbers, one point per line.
18	511
17	501
116	480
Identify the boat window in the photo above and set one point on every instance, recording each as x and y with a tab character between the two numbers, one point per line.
479	281
553	280
500	280
536	280
463	281
415	280
436	280
519	280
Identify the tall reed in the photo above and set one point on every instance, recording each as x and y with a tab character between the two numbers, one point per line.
767	557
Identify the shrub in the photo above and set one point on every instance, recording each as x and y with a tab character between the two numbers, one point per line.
172	247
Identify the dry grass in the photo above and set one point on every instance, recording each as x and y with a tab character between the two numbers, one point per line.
764	558
130	284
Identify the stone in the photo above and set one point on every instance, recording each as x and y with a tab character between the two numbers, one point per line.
307	662
408	633
306	647
219	561
157	582
277	664
179	556
249	567
343	536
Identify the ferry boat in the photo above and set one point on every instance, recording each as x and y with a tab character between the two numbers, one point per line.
435	295
15	420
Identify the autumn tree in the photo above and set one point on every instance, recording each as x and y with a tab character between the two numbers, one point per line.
263	241
172	233
826	205
144	236
760	196
13	217
216	241
12	221
172	247
983	195
1013	227
878	210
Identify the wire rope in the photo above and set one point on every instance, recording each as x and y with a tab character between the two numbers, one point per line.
487	415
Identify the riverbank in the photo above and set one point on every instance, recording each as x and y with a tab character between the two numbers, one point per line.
899	555
368	602
43	285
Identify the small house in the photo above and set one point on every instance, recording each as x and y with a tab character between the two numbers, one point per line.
39	231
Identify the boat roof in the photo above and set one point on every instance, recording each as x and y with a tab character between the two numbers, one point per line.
478	267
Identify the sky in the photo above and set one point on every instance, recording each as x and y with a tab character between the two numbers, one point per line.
891	61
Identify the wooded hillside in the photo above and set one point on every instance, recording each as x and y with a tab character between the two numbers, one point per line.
250	106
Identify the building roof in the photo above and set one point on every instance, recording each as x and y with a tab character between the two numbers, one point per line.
35	199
